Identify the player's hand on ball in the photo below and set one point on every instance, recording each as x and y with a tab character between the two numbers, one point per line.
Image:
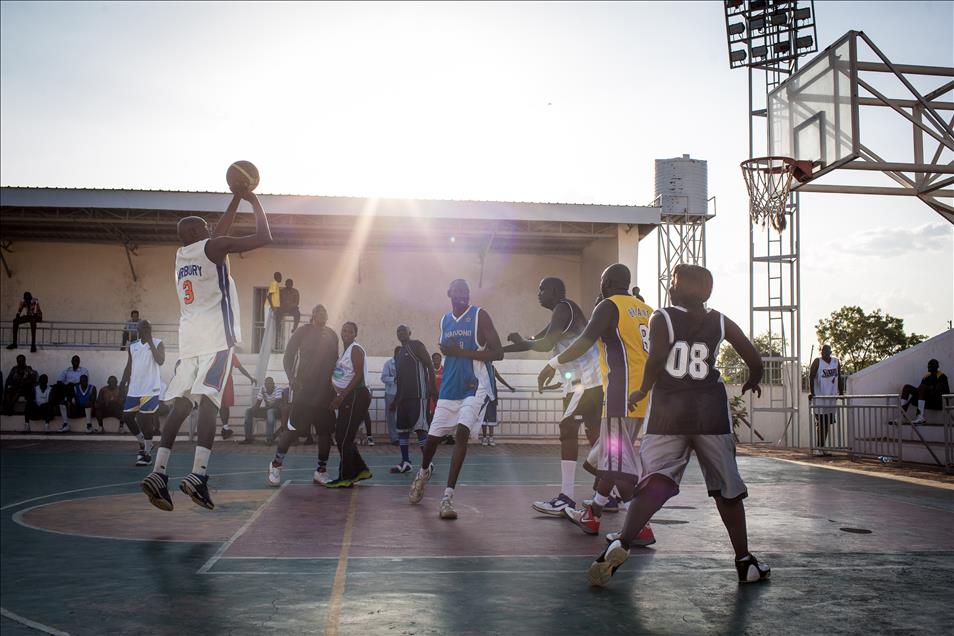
753	387
635	398
545	376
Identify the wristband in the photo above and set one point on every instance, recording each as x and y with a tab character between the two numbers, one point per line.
553	362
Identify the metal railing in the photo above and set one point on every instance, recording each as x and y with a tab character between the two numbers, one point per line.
874	426
77	334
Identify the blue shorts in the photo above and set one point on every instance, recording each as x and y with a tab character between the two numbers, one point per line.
143	404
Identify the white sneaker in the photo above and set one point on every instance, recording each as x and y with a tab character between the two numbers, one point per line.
420	481
65	428
918	420
484	441
274	474
493	442
605	566
447	508
320	477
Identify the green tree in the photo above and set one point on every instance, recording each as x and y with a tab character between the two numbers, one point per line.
733	367
860	339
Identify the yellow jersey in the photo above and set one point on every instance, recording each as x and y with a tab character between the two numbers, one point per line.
623	355
274	291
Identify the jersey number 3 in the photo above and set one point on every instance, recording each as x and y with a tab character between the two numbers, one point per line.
189	294
685	359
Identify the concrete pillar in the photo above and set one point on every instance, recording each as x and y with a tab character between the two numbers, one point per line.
627	248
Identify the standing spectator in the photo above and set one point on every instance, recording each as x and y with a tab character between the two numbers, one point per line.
131	332
84	397
228	396
63	394
933	385
351	402
275	292
40	408
28	311
389	380
109	403
19	384
824	382
489	426
142	384
268	404
309	361
288	303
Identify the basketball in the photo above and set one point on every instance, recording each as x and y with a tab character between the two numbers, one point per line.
242	175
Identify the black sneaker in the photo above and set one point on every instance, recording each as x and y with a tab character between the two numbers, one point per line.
196	486
143	458
227	433
606	564
156	487
750	570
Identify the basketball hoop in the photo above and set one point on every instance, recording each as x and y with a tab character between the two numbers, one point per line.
769	182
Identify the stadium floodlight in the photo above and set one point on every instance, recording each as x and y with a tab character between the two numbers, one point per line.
803	14
737	29
737	56
759	51
804	42
779	18
756	24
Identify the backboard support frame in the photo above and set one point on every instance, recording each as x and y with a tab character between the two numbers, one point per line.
927	177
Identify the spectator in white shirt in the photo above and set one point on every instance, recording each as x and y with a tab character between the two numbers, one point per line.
40	408
389	380
268	404
64	393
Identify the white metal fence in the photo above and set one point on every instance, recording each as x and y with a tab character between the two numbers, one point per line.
76	335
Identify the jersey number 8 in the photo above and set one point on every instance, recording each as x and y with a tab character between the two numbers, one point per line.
684	359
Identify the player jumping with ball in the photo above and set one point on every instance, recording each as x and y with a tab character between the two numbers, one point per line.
208	331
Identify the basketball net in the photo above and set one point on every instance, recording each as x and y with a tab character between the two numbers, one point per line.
769	182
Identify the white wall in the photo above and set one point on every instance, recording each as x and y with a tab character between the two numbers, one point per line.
905	367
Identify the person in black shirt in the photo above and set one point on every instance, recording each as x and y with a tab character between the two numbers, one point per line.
310	358
415	378
933	385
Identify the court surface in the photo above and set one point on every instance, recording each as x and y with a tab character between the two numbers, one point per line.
84	553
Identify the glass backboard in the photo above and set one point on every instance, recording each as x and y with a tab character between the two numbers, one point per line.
813	116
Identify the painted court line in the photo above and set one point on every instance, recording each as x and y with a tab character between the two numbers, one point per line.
337	589
909	480
238	533
40	627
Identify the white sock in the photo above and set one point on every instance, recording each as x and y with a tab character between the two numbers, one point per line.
225	427
147	445
64	415
568	471
921	407
600	500
162	459
448	492
142	440
89	417
201	463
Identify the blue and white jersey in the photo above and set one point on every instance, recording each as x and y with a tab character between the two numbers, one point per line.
464	377
209	309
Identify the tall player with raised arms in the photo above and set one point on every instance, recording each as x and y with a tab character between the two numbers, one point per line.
208	331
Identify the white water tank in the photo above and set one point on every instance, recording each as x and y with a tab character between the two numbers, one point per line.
682	186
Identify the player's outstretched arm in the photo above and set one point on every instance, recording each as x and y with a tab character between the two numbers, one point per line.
559	321
604	316
225	223
749	353
221	246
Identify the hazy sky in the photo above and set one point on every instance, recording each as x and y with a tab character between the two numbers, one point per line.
565	102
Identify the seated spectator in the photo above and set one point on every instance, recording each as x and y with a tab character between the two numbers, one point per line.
63	393
20	382
131	332
289	299
933	385
28	311
40	408
109	403
268	404
84	400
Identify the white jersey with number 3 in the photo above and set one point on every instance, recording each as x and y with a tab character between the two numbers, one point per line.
208	303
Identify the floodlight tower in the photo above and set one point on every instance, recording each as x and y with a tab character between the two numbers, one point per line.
683	202
768	37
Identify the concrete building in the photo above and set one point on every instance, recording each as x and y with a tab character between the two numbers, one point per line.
91	256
